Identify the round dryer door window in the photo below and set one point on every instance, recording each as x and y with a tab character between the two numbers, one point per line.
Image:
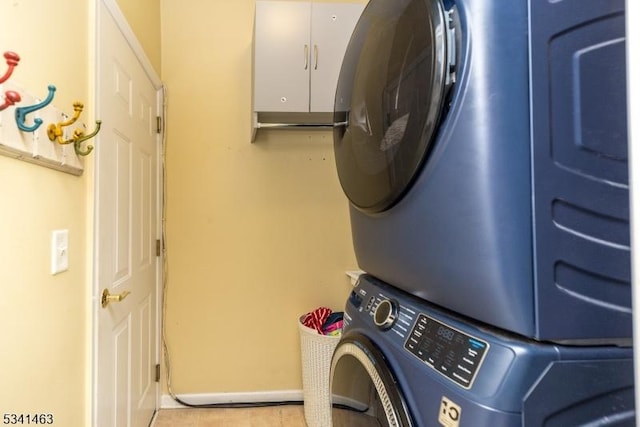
389	99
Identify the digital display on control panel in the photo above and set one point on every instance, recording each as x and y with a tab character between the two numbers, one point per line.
449	351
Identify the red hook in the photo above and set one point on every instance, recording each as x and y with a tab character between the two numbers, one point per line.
10	98
12	60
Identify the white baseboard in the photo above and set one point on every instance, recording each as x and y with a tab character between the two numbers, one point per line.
167	402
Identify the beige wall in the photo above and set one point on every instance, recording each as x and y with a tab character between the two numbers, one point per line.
44	358
258	234
144	18
45	361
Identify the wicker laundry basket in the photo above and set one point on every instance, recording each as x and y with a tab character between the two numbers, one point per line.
317	351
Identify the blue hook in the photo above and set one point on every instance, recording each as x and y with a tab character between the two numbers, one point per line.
21	112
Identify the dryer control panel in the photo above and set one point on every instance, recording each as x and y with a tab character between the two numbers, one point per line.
449	351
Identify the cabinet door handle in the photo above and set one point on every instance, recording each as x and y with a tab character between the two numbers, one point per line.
315	56
306	56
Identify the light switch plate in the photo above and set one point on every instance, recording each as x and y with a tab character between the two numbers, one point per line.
59	251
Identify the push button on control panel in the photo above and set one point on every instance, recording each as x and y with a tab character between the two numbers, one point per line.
370	303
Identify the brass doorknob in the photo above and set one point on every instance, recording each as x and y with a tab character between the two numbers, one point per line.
107	297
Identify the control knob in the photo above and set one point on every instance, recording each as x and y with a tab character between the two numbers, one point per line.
386	314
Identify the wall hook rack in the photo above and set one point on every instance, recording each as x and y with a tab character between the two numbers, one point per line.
21	112
79	137
54	131
12	60
10	98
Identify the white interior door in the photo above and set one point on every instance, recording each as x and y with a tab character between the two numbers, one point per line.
127	157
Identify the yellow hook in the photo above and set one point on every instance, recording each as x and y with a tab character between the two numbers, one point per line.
79	137
54	131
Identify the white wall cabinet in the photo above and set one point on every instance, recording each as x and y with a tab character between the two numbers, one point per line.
298	51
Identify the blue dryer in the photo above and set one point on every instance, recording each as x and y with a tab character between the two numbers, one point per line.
482	145
404	362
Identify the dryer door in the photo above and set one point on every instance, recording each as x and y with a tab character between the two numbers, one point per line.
364	391
389	99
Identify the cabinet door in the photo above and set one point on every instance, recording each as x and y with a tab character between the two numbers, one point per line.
282	48
331	28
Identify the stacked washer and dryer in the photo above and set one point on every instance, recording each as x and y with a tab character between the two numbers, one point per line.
482	146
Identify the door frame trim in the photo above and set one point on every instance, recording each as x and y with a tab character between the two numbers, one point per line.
121	22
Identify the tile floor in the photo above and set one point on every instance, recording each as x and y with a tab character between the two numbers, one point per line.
273	416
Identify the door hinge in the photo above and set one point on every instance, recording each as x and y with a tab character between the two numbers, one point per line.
158	373
158	124
158	247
